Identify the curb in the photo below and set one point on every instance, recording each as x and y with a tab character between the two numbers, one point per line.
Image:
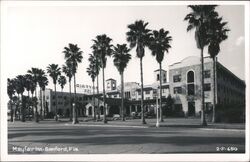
95	125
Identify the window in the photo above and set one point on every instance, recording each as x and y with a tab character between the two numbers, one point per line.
158	77
53	97
190	83
147	98
177	78
164	78
190	89
207	74
208	106
207	87
154	91
190	77
177	90
127	94
147	92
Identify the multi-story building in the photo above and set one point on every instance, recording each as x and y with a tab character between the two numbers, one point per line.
184	87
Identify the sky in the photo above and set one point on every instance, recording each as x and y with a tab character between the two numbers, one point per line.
36	36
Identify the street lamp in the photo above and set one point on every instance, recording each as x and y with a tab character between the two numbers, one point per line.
74	113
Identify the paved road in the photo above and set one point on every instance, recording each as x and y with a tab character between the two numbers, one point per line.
50	137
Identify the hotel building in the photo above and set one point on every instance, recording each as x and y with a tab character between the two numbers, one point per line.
183	87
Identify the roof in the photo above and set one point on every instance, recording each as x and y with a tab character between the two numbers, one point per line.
195	60
112	92
111	79
159	70
189	61
231	73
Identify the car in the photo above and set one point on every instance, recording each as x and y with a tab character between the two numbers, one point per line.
116	117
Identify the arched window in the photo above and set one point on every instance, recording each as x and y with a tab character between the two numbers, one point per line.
190	77
190	83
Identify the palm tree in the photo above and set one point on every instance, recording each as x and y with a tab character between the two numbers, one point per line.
54	73
103	48
138	36
121	58
160	42
34	72
42	82
73	56
199	20
91	70
20	84
217	34
11	92
28	84
62	81
32	90
67	69
96	59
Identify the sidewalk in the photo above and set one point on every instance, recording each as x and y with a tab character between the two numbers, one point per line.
169	122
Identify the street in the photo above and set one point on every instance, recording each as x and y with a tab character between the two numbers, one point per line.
49	137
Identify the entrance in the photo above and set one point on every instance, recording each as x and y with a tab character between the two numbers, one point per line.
90	110
114	110
191	108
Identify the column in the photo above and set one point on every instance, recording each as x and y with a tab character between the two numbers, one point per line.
130	109
107	110
87	111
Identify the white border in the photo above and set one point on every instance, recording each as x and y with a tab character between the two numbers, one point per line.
120	157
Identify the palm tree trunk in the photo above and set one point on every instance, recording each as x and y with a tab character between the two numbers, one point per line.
214	96
142	95
203	119
104	97
29	105
70	99
41	110
94	100
11	110
160	104
22	109
98	103
122	96
44	102
32	105
75	120
36	113
56	118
